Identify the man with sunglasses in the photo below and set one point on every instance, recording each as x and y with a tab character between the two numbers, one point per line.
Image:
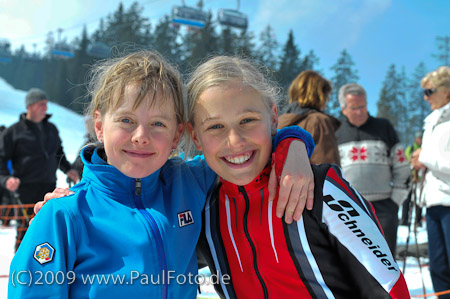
372	159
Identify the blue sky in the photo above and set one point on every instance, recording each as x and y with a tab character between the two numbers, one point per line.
377	33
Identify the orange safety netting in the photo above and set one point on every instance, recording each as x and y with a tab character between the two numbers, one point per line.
21	213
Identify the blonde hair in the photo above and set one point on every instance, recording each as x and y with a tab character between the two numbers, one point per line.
223	69
439	78
148	69
310	89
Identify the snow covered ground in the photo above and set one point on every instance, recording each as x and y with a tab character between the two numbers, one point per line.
72	131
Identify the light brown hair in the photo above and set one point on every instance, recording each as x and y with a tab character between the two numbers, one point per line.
310	89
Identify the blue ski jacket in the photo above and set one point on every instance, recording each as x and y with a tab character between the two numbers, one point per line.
116	237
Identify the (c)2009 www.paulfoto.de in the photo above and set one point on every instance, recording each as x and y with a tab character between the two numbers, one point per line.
27	277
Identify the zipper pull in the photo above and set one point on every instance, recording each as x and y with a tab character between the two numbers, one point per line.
138	187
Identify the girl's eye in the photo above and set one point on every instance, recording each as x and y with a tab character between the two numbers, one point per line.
215	127
125	120
158	124
247	120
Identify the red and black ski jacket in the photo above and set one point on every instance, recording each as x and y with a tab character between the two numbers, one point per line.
337	250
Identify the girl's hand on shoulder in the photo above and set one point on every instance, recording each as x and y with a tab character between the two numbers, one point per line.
296	184
58	192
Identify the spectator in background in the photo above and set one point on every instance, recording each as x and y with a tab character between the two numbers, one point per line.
434	156
415	179
5	199
308	97
372	159
34	147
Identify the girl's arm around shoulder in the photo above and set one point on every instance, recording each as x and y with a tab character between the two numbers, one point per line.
291	170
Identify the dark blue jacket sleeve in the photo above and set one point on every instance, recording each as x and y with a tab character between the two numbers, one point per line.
295	132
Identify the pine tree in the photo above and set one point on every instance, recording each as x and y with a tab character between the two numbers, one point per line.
403	125
77	73
417	107
268	47
289	62
245	46
344	72
198	44
390	105
165	40
127	27
443	45
309	62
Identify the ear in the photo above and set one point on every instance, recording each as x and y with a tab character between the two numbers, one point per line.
447	93
274	119
178	134
194	137
98	125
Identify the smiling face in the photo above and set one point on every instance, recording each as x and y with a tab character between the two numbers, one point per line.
437	99
233	128
138	142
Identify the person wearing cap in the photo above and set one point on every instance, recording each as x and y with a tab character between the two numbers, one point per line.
35	149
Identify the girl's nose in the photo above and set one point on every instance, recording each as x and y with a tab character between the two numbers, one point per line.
141	135
235	138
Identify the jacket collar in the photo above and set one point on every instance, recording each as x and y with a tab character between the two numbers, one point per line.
23	118
439	115
260	182
110	180
369	119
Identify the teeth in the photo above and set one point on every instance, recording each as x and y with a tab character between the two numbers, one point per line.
238	159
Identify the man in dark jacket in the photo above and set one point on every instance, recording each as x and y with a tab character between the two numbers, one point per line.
372	159
34	147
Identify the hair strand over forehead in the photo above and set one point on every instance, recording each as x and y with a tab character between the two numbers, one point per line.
148	70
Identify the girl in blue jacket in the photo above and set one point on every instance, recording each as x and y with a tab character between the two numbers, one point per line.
131	227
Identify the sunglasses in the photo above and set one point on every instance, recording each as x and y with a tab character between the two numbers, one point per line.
429	92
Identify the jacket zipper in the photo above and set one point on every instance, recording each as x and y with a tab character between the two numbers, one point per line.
255	262
156	233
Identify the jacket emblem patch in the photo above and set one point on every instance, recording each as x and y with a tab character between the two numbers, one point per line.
44	253
185	218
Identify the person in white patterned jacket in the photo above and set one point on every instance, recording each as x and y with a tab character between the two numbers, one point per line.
372	159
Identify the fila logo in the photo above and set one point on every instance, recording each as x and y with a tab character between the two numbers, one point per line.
185	218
